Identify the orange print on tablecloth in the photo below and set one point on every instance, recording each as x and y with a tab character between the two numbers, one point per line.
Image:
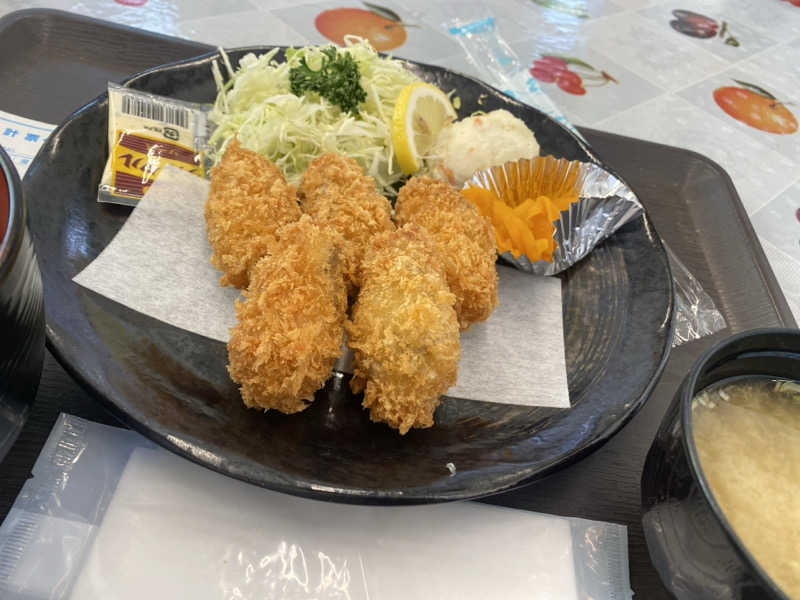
756	107
383	27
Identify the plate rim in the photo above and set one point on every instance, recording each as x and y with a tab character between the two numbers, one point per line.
354	495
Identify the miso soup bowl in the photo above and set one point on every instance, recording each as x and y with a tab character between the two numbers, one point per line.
692	545
21	310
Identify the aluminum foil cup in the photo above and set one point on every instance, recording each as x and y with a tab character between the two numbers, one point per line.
605	204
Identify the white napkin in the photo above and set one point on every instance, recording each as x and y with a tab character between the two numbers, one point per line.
176	530
158	264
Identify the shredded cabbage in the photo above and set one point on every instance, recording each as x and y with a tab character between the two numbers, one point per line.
256	104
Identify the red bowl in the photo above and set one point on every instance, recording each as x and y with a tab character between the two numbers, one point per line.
5	206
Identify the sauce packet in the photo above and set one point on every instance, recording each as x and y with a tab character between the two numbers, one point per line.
145	133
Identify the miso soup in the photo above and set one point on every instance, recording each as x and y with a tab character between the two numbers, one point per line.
747	435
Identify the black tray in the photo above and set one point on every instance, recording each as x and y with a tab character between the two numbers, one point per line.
51	62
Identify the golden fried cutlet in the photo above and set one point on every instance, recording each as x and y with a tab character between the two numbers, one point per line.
291	323
404	331
465	240
249	200
334	172
337	194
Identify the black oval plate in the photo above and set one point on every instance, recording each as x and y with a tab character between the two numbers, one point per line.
172	385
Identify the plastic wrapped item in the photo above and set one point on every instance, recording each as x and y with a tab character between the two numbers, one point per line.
145	133
696	315
107	515
474	27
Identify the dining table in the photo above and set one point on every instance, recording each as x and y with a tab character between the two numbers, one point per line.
651	98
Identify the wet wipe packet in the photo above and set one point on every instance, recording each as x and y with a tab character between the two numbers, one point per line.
108	515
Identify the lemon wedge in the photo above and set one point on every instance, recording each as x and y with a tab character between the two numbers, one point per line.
421	111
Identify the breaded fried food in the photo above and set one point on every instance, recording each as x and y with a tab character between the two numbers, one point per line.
465	240
338	194
404	331
291	323
248	202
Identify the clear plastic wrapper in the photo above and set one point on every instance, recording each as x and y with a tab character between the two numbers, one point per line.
475	29
473	26
696	315
108	515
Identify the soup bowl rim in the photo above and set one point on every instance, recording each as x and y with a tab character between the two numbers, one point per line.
688	392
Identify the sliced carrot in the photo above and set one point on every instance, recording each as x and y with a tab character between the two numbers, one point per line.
551	208
521	237
526	228
482	198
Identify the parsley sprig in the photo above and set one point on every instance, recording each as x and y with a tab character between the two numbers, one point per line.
337	79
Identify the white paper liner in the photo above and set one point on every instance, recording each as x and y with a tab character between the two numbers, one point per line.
158	264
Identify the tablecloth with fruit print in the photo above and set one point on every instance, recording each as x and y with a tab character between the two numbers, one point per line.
721	77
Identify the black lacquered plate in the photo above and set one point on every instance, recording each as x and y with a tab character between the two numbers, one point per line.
172	385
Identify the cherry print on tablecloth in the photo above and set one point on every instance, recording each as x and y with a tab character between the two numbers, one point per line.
756	107
570	74
383	27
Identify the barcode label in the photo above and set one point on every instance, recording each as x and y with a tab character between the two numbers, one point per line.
154	110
